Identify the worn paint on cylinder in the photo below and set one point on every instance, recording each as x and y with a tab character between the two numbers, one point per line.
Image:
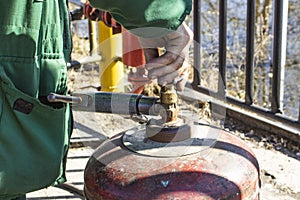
226	170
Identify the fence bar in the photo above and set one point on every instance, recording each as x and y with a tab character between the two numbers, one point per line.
222	46
279	49
253	117
299	113
197	43
250	52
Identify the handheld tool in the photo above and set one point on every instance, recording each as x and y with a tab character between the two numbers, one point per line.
169	127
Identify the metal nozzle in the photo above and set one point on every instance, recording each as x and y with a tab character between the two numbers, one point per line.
63	98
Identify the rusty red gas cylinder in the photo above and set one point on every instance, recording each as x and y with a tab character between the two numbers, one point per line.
212	164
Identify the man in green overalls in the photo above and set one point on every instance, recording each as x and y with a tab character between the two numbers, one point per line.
35	45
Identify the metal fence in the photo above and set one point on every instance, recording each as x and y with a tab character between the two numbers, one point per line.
272	119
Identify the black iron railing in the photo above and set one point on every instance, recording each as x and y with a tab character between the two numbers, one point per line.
272	118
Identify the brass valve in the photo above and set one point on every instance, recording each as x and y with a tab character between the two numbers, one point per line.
170	128
169	99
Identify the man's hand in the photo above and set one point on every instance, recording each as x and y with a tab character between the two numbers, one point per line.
172	65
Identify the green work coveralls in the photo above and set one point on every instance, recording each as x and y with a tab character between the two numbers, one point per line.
147	18
34	48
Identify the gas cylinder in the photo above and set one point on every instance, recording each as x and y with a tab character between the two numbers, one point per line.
212	164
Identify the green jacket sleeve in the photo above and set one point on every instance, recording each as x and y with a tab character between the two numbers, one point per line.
136	14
